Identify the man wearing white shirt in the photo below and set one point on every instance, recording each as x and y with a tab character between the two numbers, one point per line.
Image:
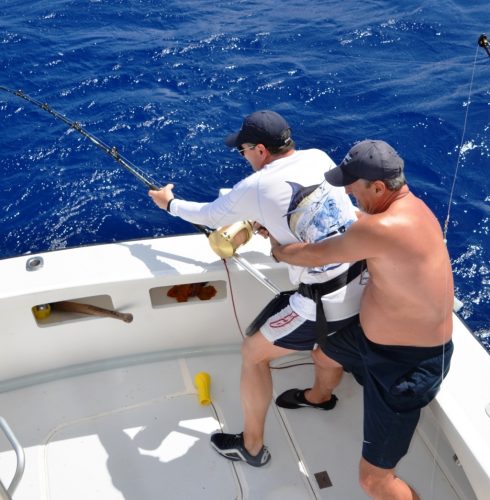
288	197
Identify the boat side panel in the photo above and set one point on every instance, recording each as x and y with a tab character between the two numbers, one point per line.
123	275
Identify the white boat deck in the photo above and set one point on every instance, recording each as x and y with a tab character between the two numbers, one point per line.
137	431
107	410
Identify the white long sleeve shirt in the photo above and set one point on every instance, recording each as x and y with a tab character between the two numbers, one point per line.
291	198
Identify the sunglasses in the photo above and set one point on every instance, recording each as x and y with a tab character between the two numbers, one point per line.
241	151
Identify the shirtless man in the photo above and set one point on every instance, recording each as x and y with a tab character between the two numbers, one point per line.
402	347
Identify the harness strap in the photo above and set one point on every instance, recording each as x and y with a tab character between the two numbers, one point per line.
315	291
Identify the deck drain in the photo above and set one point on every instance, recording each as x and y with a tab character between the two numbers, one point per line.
323	479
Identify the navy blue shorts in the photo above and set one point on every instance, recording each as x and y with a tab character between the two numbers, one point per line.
397	380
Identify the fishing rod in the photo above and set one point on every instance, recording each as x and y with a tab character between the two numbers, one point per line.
111	151
150	184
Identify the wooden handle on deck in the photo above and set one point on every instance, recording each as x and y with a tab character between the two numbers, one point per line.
77	307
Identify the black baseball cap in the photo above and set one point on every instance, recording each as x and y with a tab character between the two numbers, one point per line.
262	127
369	159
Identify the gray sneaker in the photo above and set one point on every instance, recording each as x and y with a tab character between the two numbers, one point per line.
231	447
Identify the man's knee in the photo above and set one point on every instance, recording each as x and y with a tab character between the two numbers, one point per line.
367	481
254	348
373	479
322	360
257	349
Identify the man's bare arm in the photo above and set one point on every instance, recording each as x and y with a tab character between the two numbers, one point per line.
362	240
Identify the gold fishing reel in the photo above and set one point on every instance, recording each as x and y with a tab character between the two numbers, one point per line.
225	240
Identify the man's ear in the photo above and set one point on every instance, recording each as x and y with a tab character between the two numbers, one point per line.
379	187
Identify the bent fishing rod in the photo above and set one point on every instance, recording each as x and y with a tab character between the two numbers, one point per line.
111	151
138	173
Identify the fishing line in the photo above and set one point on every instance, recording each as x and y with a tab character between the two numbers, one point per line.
482	42
232	296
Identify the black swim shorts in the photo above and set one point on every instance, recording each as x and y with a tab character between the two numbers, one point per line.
397	380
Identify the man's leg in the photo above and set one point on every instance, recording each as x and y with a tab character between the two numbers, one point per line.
328	374
284	332
383	484
256	387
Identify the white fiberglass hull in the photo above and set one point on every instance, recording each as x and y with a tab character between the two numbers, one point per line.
107	409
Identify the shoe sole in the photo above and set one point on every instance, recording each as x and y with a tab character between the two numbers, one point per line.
296	406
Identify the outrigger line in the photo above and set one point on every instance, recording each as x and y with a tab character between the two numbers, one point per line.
111	151
482	42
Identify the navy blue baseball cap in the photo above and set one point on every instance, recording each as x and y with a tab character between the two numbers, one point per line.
370	160
262	127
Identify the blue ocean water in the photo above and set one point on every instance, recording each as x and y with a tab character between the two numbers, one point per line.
165	81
